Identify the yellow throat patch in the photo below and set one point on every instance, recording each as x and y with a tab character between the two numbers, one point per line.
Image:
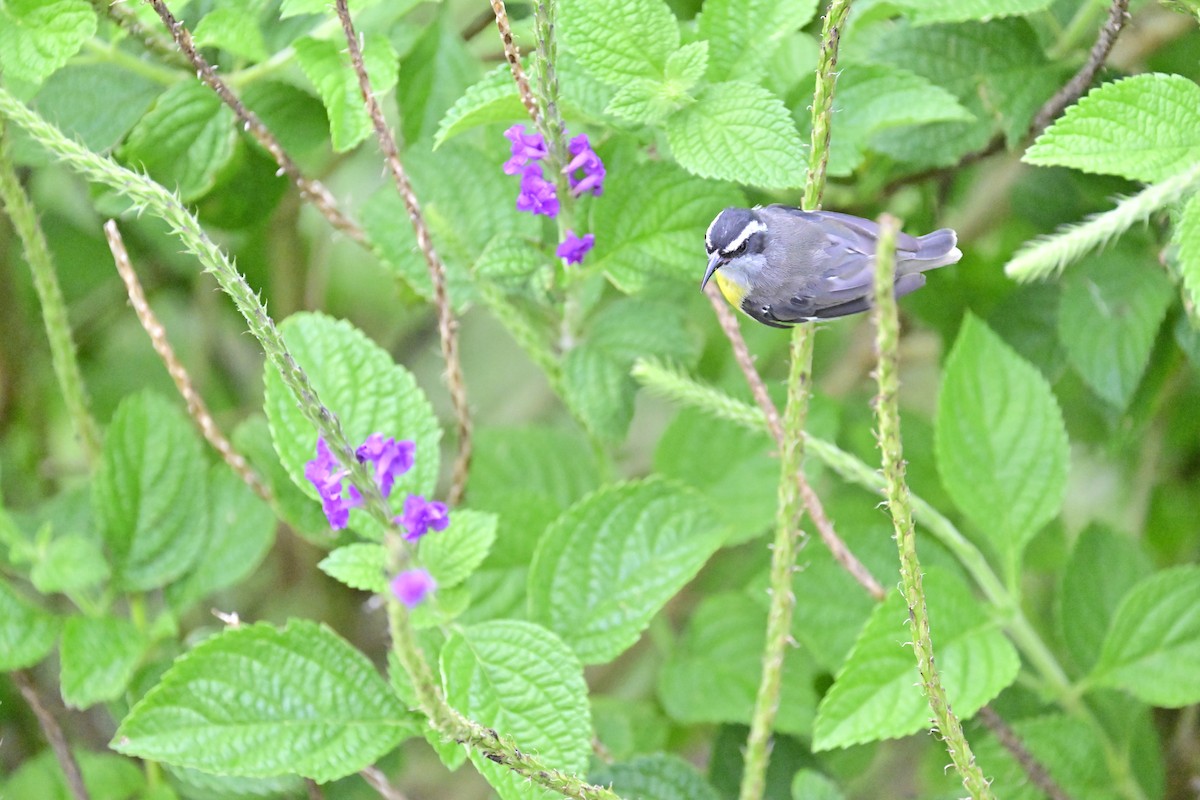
734	292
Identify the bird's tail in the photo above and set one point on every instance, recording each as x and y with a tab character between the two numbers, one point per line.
937	249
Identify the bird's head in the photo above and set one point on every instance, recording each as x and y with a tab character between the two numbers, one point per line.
735	233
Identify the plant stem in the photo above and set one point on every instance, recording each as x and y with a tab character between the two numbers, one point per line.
54	307
54	734
899	503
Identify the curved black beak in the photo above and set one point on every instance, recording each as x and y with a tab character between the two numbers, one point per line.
714	263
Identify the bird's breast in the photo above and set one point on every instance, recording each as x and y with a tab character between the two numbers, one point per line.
734	291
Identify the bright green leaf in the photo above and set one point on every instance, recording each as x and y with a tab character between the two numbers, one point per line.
509	260
1068	749
743	35
712	674
657	232
327	66
924	12
520	678
436	71
96	103
620	39
1001	440
1153	644
27	633
1104	566
69	563
1110	310
38	37
360	566
686	66
99	656
149	493
493	99
234	30
738	132
877	694
185	140
260	701
611	561
661	776
241	529
644	101
453	554
294	8
106	776
358	381
1145	128
808	784
1187	239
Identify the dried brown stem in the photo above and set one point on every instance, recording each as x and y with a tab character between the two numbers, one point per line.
379	782
183	382
1118	13
513	55
54	734
311	189
1013	744
447	324
812	502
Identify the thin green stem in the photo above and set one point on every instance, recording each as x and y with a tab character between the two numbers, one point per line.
899	502
102	52
54	307
822	107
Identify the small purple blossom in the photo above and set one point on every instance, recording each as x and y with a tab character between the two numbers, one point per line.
390	457
525	146
538	196
421	515
412	586
585	159
573	248
326	476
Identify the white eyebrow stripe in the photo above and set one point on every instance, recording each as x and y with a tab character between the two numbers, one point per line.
753	227
708	245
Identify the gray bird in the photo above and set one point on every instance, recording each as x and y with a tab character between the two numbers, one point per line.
782	265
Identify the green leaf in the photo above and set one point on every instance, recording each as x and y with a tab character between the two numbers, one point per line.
1187	238
620	39
1001	440
184	141
259	701
1110	310
1104	566
611	561
253	439
808	784
598	386
871	99
149	493
294	8
731	466
97	104
656	232
69	563
453	554
27	633
1153	644
196	785
493	99
877	695
509	260
38	37
99	656
106	776
362	565
644	101
685	67
233	30
295	117
326	64
241	529
660	776
924	12
1145	128
358	381
738	132
521	679
743	35
712	674
436	71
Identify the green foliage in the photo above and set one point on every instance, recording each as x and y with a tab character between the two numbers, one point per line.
38	37
1001	441
27	632
655	777
319	709
99	656
325	64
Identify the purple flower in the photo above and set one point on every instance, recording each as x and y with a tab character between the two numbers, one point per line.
538	195
573	249
391	458
421	515
412	586
326	476
584	159
525	146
